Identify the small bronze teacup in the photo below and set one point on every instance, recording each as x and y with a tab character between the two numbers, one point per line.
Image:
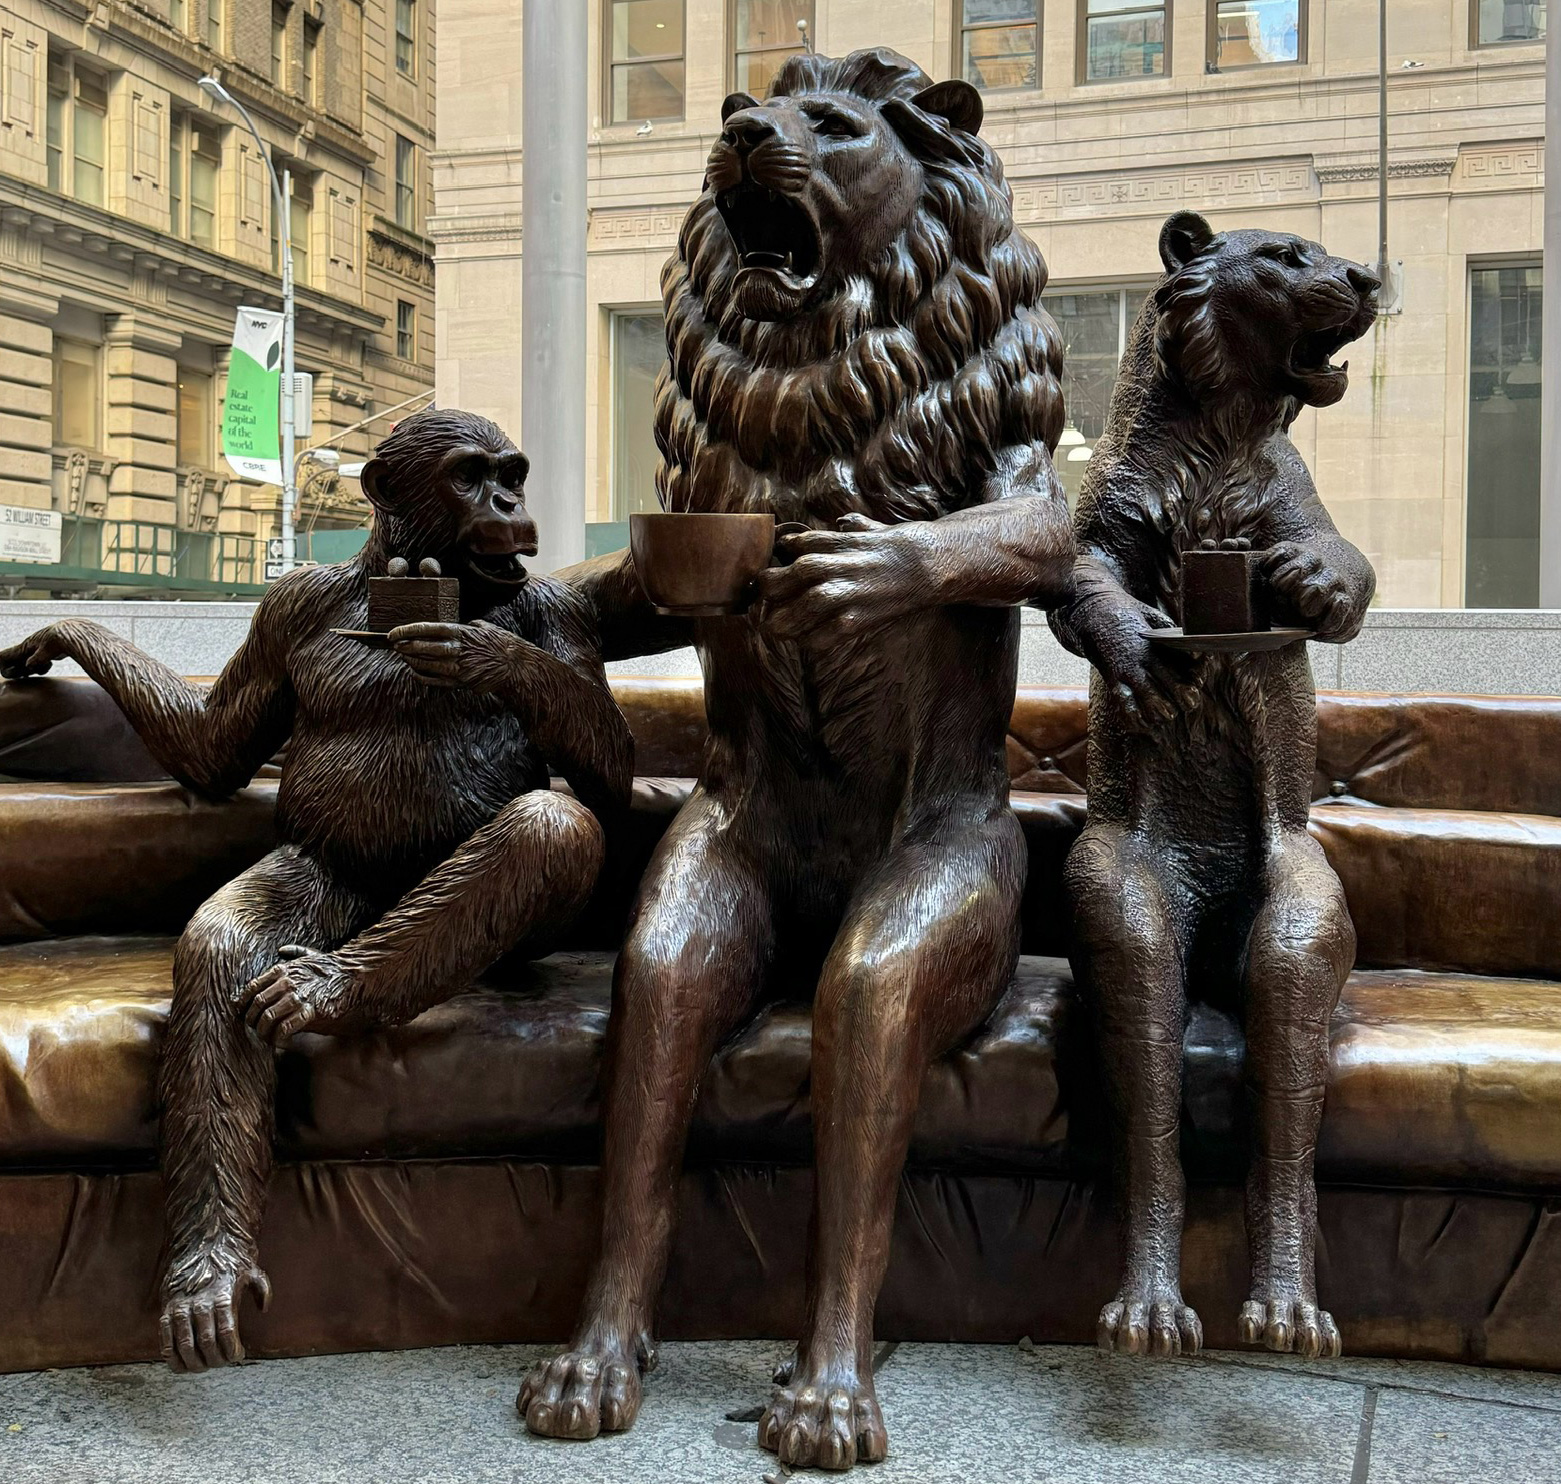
698	565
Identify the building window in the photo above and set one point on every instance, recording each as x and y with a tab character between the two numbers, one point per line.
1502	553
406	330
645	59
406	38
764	34
406	183
176	175
1120	39
214	24
78	393
193	419
1497	22
999	43
205	167
310	62
1256	33
300	225
639	347
178	15
278	42
1094	326
76	133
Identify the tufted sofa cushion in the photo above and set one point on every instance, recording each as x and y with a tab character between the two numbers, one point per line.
1444	1078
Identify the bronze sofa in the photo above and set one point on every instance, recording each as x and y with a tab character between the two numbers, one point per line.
437	1182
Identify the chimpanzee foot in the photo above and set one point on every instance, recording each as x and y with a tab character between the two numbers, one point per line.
1289	1322
1148	1317
200	1324
591	1389
824	1417
306	991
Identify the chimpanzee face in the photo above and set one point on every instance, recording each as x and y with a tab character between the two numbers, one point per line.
452	487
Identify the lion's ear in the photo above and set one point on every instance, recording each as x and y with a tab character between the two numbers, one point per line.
1182	238
955	101
734	102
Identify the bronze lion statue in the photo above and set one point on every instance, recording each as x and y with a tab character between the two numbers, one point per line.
855	342
1195	873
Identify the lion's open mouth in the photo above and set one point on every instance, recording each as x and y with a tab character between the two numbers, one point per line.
771	231
1311	357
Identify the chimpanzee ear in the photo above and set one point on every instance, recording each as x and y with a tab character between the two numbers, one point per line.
375	483
1182	238
955	101
736	101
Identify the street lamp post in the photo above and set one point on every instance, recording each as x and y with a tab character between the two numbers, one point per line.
284	232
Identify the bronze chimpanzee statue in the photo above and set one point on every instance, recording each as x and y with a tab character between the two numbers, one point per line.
1196	873
856	344
420	837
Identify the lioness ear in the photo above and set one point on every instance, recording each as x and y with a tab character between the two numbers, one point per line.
375	484
734	102
1182	238
955	101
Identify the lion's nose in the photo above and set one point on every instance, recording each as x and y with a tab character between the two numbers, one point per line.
1362	280
748	129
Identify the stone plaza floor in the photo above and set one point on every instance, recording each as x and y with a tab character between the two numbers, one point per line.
956	1413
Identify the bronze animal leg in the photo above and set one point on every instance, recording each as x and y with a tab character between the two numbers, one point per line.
695	956
523	875
927	947
1128	961
217	1083
1299	953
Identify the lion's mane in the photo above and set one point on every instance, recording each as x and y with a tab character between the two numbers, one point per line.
894	397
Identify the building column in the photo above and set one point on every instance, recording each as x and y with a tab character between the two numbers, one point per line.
141	377
1550	438
26	373
552	275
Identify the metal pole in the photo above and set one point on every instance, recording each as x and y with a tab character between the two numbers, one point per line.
1382	148
552	273
284	235
1550	331
289	381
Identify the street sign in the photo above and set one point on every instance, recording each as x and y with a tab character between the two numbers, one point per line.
28	535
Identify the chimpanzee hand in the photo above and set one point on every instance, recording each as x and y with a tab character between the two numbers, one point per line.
1308	592
859	576
473	656
35	654
304	991
1153	685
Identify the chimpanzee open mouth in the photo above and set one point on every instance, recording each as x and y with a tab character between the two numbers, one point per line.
771	230
503	569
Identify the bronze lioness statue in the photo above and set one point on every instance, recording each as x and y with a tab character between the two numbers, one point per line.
855	343
1196	872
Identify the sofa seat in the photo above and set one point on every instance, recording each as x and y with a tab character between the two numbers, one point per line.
1436	1078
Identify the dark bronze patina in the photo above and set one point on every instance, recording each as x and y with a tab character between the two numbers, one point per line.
420	837
856	343
1195	873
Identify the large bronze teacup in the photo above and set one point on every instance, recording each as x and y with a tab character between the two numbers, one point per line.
699	565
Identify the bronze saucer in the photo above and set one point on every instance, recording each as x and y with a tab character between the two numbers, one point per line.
1248	643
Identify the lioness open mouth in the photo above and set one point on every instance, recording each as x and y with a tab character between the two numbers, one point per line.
503	569
771	231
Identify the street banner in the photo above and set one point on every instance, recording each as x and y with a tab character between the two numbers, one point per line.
28	535
251	424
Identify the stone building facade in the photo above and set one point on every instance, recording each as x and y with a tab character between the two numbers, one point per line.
1109	115
136	215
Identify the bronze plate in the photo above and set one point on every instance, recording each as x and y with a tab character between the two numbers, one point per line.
1259	639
